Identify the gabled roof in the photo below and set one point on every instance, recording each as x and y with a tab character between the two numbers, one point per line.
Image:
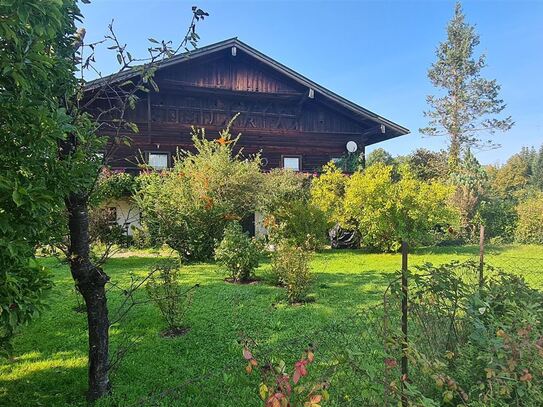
226	44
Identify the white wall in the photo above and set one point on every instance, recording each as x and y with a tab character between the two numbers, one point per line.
128	214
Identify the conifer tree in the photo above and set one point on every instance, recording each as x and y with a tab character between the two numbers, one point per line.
468	106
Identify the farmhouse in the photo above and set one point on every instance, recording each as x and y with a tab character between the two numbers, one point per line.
294	122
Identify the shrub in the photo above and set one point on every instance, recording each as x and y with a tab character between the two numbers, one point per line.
474	346
328	193
168	295
530	220
499	217
280	387
387	212
141	238
113	185
280	186
189	206
290	265
238	253
299	222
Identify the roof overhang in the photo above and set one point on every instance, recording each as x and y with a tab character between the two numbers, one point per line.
316	89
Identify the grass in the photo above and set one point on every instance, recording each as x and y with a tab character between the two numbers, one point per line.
205	367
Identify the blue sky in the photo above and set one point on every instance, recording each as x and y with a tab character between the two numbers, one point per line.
375	53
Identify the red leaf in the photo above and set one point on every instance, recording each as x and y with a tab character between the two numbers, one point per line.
247	354
296	376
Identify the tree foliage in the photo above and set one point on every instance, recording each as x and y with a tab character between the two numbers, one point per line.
469	104
530	220
37	72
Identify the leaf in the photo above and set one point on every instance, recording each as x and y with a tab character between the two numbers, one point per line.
247	354
310	356
153	41
119	59
16	196
263	391
296	376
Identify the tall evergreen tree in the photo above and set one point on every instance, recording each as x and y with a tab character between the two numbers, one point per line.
469	104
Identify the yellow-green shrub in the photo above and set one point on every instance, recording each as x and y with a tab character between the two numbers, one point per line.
387	212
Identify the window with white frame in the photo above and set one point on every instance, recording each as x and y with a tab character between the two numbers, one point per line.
292	162
158	161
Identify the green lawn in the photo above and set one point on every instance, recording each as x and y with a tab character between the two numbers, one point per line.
205	367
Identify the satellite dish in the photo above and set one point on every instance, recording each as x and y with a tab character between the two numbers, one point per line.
352	146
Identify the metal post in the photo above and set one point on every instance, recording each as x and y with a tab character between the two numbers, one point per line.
481	255
404	324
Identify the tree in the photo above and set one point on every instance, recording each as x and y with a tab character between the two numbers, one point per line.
537	170
36	43
470	104
379	155
512	176
48	157
78	151
470	181
530	220
428	165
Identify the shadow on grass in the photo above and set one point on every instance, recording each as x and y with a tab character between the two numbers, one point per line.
219	315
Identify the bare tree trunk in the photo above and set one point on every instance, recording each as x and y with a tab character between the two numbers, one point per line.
91	281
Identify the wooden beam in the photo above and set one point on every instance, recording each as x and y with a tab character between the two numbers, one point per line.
173	86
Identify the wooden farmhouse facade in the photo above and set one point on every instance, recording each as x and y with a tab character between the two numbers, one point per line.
292	121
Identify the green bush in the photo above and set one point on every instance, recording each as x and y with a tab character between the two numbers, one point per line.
388	211
290	266
172	299
280	186
328	194
530	220
189	206
238	253
104	229
474	346
142	238
112	186
299	222
499	217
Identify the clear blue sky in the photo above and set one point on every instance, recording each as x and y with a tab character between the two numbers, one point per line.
375	53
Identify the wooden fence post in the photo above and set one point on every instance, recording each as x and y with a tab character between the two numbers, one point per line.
404	366
481	255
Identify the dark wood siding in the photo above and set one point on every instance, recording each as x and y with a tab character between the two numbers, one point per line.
277	116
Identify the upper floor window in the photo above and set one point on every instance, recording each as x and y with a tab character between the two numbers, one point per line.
158	161
292	162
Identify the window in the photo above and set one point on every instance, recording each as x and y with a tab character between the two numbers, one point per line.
292	162
158	161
